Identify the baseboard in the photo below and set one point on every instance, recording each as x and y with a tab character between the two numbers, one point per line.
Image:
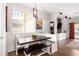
76	38
11	50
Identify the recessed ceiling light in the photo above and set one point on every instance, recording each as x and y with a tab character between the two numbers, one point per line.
65	16
61	13
69	17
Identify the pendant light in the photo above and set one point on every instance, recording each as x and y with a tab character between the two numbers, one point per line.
35	12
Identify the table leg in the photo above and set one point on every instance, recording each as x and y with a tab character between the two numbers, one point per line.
16	52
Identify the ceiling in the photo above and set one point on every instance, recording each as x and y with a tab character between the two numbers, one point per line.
68	9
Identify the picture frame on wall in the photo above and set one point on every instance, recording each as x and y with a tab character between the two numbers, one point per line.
39	24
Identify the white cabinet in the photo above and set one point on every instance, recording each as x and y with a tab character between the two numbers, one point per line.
61	36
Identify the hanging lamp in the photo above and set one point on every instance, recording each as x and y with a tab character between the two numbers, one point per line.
35	12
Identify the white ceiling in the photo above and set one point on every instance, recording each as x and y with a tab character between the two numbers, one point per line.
68	9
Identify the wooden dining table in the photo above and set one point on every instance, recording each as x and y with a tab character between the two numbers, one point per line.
33	39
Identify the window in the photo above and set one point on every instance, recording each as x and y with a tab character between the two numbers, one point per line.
22	22
77	31
17	21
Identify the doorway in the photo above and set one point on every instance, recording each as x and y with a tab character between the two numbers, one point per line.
2	30
76	26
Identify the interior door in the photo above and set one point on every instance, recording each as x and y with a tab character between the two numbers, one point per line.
0	31
71	34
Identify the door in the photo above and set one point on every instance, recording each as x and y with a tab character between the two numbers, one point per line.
2	30
71	34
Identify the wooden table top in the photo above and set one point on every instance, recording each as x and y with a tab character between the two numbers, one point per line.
35	39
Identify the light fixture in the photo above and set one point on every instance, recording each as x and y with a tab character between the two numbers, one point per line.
35	12
60	13
69	17
65	16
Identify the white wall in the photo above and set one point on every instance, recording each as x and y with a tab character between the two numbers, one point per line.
53	17
64	25
29	18
45	22
74	20
67	29
63	21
